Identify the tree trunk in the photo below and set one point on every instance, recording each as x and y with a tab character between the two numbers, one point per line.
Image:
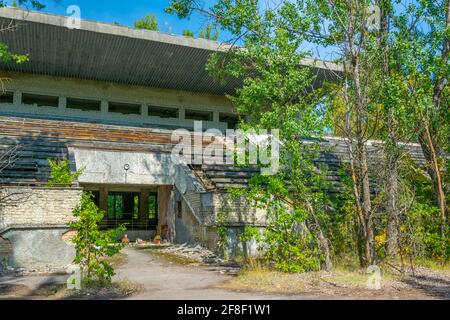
313	226
367	207
392	226
391	145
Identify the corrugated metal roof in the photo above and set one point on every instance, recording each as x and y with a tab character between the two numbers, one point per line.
112	53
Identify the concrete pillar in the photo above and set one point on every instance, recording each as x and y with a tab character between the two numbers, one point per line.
62	103
103	201
17	98
182	114
144	110
166	214
104	107
216	116
143	206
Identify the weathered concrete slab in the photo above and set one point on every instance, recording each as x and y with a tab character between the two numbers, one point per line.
40	249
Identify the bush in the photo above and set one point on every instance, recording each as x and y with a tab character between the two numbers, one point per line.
60	172
92	244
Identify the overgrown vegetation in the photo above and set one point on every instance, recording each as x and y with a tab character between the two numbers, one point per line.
61	174
149	22
393	87
92	244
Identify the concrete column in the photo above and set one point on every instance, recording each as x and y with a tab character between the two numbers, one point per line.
103	201
143	206
166	213
216	116
182	114
62	102
104	107
17	98
144	110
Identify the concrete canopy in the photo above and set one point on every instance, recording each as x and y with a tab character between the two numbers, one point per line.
107	52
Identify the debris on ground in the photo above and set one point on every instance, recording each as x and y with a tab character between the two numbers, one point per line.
194	252
41	270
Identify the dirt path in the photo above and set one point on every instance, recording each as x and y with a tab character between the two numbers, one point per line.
162	279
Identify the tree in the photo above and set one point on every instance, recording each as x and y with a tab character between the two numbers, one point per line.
422	42
394	87
206	33
93	245
276	94
149	22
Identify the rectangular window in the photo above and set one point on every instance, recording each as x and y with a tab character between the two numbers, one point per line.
39	100
199	115
162	112
231	119
123	206
83	104
6	97
124	108
152	206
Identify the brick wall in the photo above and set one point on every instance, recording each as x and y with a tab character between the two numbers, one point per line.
37	206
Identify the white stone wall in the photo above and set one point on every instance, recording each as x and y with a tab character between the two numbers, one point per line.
37	206
238	211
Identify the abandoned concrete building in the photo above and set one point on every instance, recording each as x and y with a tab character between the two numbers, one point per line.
107	98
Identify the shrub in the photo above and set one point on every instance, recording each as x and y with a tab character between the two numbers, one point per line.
92	244
60	172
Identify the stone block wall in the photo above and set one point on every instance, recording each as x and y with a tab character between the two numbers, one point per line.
25	206
237	211
34	226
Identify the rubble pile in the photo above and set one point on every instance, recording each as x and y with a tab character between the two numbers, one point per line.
196	253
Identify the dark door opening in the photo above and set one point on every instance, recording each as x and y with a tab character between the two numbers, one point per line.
131	210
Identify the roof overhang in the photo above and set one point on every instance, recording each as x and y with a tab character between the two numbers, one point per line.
107	52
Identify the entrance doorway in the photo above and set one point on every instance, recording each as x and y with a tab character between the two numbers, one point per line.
137	210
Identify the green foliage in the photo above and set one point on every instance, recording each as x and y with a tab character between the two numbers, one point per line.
35	4
8	56
5	54
207	33
93	245
275	95
390	106
222	233
188	33
420	233
149	22
60	172
286	243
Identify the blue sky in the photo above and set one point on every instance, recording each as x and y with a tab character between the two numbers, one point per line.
126	12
